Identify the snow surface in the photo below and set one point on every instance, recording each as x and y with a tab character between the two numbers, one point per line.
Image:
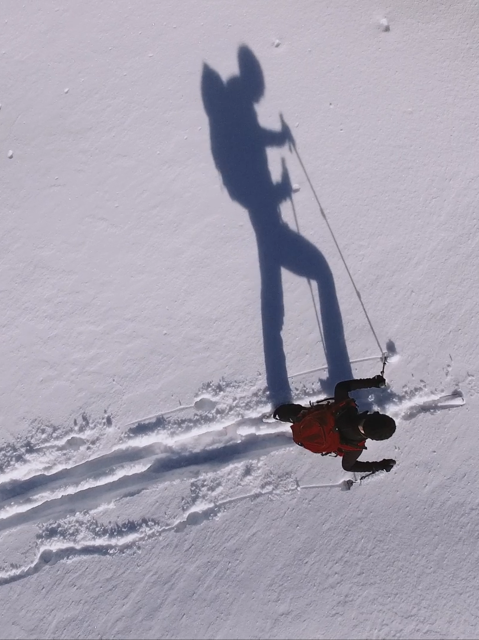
141	492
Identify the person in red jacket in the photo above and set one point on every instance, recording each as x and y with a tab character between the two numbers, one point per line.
353	427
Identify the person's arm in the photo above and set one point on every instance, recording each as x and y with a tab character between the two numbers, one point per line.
351	463
343	389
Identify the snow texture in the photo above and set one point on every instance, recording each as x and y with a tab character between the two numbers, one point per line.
210	208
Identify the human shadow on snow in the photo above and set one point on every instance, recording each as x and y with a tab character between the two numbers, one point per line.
238	145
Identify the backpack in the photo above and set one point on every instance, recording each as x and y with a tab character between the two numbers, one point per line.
315	428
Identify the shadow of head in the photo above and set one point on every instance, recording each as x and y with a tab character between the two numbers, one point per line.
251	77
248	86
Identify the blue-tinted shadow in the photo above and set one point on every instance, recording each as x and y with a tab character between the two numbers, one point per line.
238	145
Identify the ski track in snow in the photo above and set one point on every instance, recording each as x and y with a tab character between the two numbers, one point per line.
93	539
56	475
125	471
124	540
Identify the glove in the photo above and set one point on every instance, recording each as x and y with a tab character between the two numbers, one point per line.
379	381
385	465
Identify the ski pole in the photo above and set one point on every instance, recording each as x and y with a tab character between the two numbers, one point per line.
323	214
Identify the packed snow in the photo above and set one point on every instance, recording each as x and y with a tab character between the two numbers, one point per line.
210	208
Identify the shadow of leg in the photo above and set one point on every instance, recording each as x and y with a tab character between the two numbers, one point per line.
272	315
301	257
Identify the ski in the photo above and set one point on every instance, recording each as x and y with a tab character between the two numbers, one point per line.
454	399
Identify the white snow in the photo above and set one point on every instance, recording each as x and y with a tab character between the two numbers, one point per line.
142	493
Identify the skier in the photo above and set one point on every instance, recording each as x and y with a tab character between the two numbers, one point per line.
338	427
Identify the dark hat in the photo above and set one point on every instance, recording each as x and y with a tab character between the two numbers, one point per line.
378	426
